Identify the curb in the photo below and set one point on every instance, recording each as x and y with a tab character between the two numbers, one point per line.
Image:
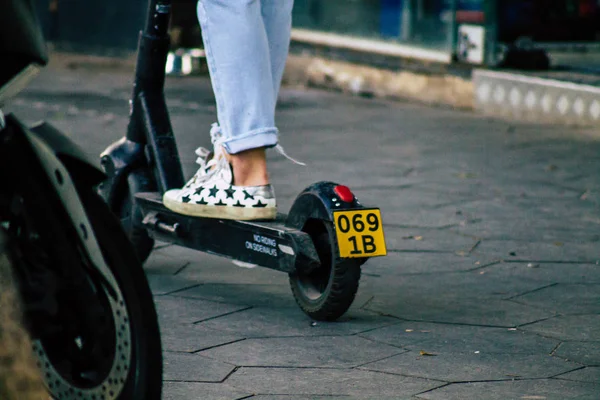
536	99
507	95
367	81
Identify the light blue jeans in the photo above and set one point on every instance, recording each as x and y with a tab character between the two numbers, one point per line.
246	44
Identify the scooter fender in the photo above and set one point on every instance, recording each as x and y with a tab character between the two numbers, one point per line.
319	201
125	164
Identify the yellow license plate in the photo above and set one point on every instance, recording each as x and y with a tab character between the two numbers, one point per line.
359	233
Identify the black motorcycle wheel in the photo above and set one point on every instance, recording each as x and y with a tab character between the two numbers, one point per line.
327	292
93	339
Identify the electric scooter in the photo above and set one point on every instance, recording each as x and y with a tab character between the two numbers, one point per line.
321	243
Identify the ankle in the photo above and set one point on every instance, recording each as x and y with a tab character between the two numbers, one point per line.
249	168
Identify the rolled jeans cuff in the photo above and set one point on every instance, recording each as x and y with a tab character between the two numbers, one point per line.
266	137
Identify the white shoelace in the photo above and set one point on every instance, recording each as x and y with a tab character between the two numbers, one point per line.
281	151
206	168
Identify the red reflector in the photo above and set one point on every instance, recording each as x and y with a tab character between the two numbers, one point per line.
344	193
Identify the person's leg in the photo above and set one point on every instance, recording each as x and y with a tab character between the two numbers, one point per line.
277	17
250	166
237	48
234	185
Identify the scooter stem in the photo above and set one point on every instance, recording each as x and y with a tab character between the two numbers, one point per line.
153	48
149	122
159	12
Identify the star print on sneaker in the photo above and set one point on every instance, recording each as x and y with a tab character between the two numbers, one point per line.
211	194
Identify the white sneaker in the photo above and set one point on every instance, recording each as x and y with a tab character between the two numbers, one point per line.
216	197
210	192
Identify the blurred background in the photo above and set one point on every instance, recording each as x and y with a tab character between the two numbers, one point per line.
482	32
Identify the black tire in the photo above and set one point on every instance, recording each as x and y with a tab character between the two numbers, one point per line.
129	348
327	292
145	381
131	217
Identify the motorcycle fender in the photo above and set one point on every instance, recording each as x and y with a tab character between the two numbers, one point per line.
63	182
82	168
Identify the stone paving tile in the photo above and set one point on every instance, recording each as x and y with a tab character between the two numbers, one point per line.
482	204
303	352
509	189
544	389
476	210
461	191
456	310
415	239
565	299
550	273
411	197
448	338
194	368
469	298
397	396
523	228
165	284
422	218
410	263
580	198
588	374
461	367
177	310
498	230
192	338
559	251
203	391
274	322
568	328
161	262
489	283
311	381
256	295
586	353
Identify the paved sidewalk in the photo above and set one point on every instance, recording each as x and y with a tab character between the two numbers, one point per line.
491	289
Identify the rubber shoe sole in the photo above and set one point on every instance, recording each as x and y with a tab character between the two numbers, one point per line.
221	212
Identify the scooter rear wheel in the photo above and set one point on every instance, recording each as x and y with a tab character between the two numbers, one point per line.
327	292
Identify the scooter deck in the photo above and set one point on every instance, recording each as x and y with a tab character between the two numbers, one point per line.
269	244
